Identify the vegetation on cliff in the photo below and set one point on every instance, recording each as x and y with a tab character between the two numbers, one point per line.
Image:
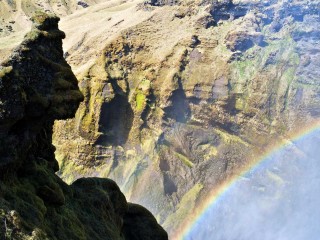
37	87
225	79
179	95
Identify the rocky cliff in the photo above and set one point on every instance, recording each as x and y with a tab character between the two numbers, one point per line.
38	87
15	17
184	93
15	14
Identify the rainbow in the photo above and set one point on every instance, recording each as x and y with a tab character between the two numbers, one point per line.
218	192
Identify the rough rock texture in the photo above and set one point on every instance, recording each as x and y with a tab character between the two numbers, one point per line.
15	17
15	14
37	87
180	101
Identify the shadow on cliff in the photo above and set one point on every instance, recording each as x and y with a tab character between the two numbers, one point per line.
115	121
37	87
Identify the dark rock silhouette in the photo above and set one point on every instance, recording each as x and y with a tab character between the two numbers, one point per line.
38	87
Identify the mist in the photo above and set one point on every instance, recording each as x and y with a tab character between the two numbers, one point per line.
277	200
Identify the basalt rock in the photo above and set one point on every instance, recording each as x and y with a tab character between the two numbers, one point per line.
38	87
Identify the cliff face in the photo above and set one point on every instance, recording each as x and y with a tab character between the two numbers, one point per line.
15	17
15	14
181	99
38	87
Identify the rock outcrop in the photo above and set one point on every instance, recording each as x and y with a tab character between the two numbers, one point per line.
37	87
189	95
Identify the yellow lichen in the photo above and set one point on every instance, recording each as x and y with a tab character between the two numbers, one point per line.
184	159
140	101
230	138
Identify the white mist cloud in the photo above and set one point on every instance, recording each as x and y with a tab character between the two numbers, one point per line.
278	200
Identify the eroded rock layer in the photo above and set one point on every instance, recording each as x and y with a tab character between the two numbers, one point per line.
38	87
184	96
